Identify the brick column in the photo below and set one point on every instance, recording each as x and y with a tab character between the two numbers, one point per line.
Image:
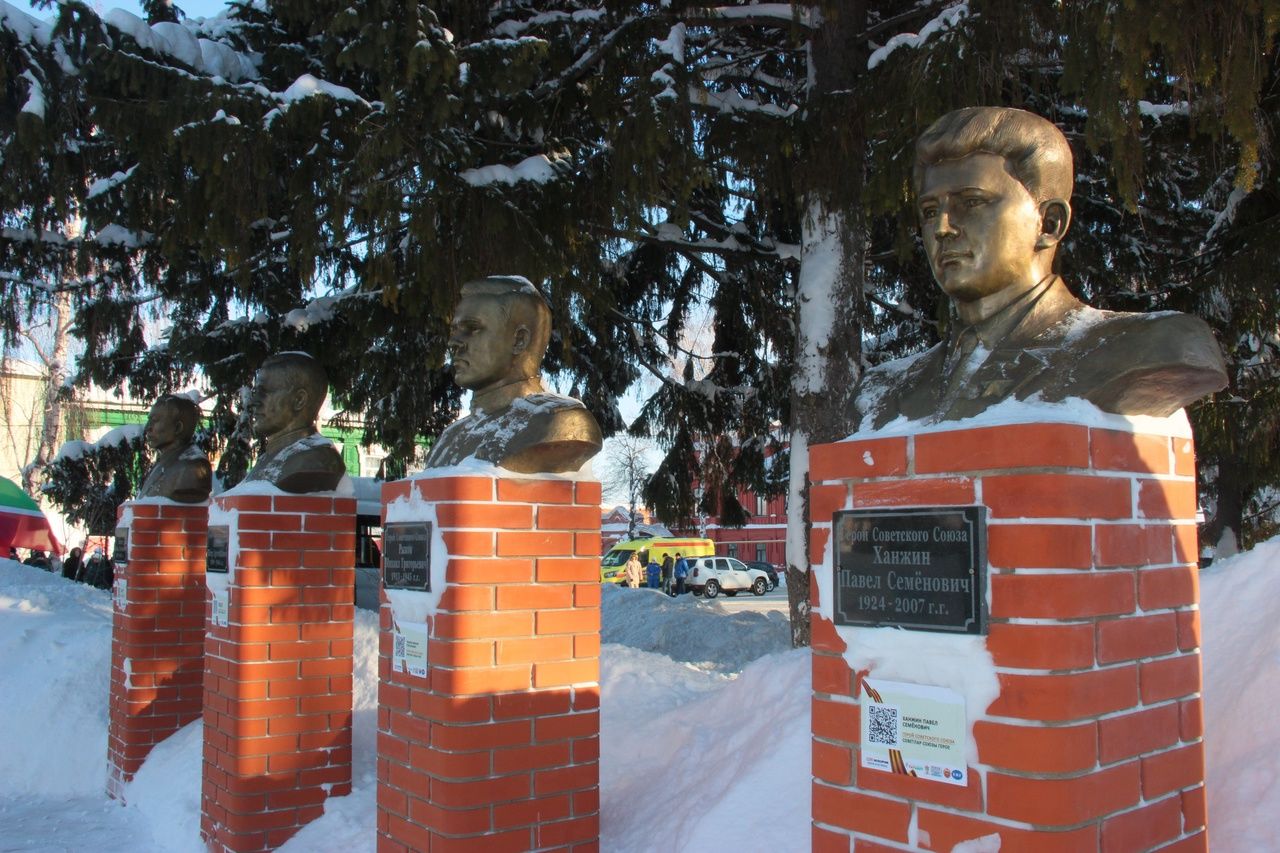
1095	740
157	631
497	746
277	685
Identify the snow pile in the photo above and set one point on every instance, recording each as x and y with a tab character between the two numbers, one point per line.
55	666
691	630
121	435
181	42
946	20
539	169
693	757
666	726
692	760
1240	612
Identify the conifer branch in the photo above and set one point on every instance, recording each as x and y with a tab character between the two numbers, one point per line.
583	65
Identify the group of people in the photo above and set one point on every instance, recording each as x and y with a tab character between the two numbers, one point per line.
668	576
96	571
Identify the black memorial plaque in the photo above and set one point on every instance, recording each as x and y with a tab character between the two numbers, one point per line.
406	555
219	542
120	550
924	569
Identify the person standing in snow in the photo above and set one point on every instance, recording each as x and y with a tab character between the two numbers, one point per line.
71	565
94	568
682	572
634	572
668	567
653	570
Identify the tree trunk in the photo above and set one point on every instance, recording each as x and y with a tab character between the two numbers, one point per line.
1228	517
53	354
830	287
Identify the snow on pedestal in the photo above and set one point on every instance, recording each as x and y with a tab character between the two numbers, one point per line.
278	664
157	631
490	735
1083	699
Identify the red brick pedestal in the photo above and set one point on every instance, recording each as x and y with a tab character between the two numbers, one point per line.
1095	739
277	687
497	747
157	632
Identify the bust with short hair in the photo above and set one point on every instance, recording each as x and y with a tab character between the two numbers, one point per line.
993	188
181	471
288	391
497	339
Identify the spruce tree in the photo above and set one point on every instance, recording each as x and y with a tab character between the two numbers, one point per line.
323	176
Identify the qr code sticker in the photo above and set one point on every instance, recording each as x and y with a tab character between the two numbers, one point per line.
398	652
883	725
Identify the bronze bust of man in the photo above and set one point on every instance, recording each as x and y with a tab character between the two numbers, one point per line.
181	471
993	189
498	336
288	391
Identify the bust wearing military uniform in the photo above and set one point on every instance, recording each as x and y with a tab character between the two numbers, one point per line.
181	471
993	187
498	337
288	391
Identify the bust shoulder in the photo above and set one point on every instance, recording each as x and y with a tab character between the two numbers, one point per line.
557	435
310	464
182	475
1150	364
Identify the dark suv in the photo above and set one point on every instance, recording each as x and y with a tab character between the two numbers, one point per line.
768	569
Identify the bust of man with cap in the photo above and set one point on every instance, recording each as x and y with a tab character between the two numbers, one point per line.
497	339
181	471
993	189
287	394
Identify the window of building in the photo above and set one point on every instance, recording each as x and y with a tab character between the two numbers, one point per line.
762	553
762	505
733	549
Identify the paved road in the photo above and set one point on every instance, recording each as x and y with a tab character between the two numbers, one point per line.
775	599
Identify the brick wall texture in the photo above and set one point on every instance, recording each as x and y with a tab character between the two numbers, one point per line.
497	748
157	634
277	680
1095	741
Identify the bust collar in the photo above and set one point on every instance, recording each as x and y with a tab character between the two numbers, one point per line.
495	399
281	440
169	454
1024	317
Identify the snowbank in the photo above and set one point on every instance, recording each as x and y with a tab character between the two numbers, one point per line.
55	669
667	725
690	629
704	726
1240	619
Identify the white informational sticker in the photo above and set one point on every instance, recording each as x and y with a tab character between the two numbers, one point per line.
120	593
409	649
220	610
914	730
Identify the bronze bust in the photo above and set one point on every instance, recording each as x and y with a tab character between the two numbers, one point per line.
993	189
497	339
288	391
181	471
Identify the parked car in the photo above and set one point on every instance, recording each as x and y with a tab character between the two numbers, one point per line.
710	575
768	568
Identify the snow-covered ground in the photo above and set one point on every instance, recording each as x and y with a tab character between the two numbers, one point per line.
705	726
